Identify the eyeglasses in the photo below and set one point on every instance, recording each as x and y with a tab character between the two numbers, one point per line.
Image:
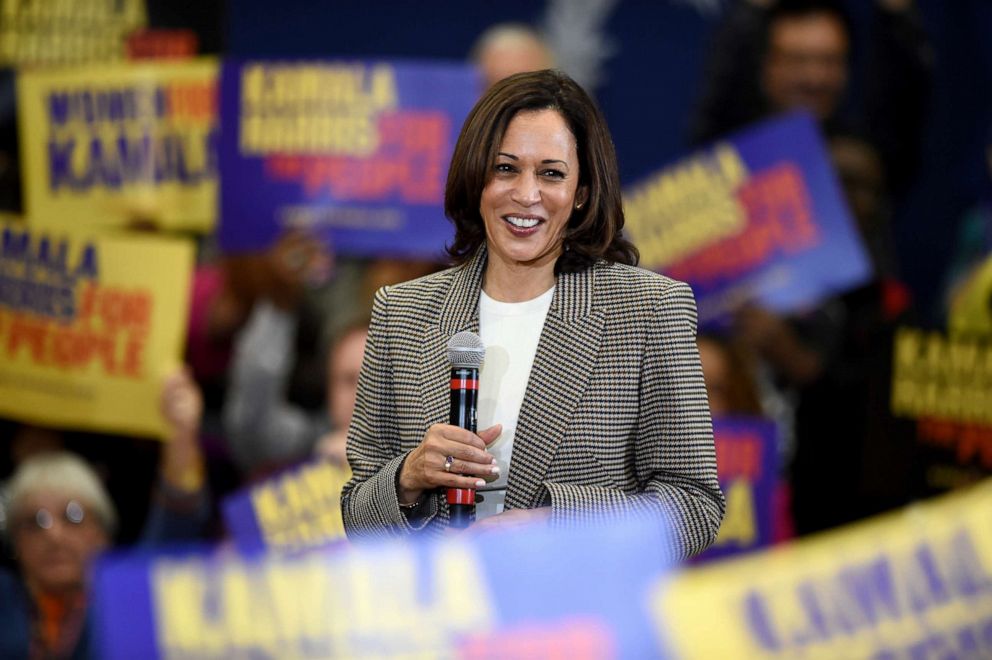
43	519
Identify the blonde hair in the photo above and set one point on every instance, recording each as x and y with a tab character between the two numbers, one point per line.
64	473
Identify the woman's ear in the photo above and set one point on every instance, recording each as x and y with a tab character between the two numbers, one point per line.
581	197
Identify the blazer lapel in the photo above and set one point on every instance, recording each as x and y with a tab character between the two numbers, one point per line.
566	356
459	311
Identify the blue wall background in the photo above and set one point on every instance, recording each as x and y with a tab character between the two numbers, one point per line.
652	80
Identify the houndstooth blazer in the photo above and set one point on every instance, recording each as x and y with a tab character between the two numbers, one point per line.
614	420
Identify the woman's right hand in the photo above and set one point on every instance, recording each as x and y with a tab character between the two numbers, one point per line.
424	469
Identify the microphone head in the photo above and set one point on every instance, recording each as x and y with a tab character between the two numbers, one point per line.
465	351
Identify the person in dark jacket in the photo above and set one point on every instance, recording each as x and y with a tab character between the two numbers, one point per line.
58	517
772	56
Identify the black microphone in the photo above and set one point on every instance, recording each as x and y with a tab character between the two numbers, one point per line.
465	351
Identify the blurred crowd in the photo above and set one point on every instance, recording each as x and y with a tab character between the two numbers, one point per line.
275	339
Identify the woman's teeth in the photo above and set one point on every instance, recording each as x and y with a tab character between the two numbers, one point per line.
522	223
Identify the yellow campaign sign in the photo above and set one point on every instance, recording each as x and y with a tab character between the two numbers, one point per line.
941	377
67	31
116	145
912	584
89	327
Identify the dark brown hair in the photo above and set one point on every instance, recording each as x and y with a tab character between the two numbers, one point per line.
594	231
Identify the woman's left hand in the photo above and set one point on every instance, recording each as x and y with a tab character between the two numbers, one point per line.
513	518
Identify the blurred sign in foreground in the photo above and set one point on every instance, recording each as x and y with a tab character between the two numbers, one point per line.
527	593
911	584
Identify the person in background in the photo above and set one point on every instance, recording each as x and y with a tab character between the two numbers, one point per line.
771	56
181	504
616	420
343	366
834	363
225	291
59	517
730	385
264	430
508	48
734	391
224	294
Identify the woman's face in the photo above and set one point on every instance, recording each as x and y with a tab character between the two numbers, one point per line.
533	189
56	538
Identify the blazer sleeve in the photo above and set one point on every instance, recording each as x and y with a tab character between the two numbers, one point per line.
369	501
674	454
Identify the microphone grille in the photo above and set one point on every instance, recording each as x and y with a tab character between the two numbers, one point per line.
465	350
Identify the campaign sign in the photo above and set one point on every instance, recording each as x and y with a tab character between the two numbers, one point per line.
746	460
89	327
527	592
119	145
912	584
47	32
300	508
944	382
756	218
353	152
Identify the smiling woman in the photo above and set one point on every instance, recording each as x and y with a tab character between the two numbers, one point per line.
591	395
528	201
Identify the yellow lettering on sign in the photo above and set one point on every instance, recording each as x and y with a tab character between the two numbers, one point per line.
739	525
373	601
946	378
317	109
687	206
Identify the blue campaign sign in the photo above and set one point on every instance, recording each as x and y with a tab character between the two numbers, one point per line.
299	508
520	593
354	152
757	217
747	467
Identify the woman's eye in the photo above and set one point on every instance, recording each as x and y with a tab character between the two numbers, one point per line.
503	168
554	174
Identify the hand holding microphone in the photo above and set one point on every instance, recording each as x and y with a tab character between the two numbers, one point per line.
452	455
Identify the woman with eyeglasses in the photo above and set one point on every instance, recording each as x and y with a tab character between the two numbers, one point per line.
59	518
